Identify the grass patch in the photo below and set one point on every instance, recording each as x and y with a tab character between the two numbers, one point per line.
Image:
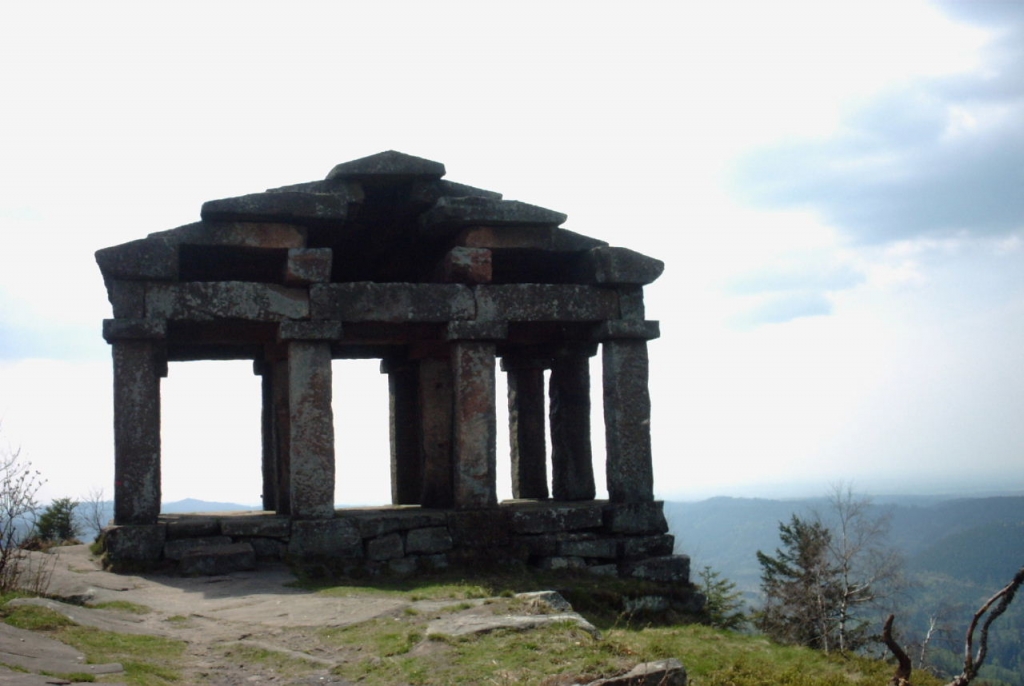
35	618
383	637
280	662
123	606
147	660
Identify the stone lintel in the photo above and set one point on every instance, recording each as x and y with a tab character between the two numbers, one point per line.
391	302
308	265
311	429
291	207
448	215
144	259
645	330
474	425
127	298
612	265
477	331
267	235
309	330
466	265
209	301
134	329
545	302
515	362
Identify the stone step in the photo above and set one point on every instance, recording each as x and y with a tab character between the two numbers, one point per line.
212	560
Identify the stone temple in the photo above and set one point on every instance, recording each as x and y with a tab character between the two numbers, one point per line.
443	283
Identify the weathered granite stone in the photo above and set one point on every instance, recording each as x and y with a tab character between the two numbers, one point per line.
668	672
572	462
554	518
403	566
217	559
627	328
256	525
389	166
431	540
467	265
437	400
404	432
636	547
312	430
425	192
609	570
290	207
631	302
646	603
391	302
191	527
263	235
210	301
127	298
479	529
527	432
306	266
134	329
608	265
325	538
635	518
668	569
376	523
176	549
309	330
476	331
526	238
545	303
437	562
591	548
561	563
140	260
387	547
137	370
134	544
267	548
539	545
448	215
627	420
473	425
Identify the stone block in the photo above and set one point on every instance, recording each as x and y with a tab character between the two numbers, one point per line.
210	301
540	545
605	548
479	528
306	266
669	672
268	526
138	366
431	540
391	302
545	238
140	260
134	544
267	548
175	549
627	328
467	265
387	547
191	527
477	331
437	562
638	547
134	329
646	603
448	215
325	538
387	166
377	523
627	421
532	302
473	425
311	430
127	298
610	265
289	207
218	559
610	570
631	302
557	518
673	569
635	518
402	566
263	235
309	330
561	563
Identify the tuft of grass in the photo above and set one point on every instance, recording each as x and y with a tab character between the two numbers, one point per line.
123	606
280	662
147	660
34	618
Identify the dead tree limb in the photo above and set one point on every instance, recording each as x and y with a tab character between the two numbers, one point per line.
904	668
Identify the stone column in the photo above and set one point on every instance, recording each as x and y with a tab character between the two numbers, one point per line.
406	455
311	420
474	425
140	360
435	428
527	427
282	436
627	410
572	461
269	440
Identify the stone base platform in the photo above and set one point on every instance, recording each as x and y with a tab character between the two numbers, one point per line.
626	540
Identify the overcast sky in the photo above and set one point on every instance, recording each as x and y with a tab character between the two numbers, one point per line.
837	190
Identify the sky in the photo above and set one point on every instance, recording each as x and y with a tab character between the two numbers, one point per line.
836	189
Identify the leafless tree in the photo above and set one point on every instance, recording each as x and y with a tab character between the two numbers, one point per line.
973	659
19	484
92	509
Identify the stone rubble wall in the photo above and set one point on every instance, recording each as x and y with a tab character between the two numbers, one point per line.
602	538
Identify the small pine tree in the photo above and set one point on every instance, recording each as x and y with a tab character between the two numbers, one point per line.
724	604
57	522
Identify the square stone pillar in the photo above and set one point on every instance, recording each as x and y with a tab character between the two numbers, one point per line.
138	366
527	427
434	409
311	430
406	454
269	440
627	420
282	435
572	461
474	425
